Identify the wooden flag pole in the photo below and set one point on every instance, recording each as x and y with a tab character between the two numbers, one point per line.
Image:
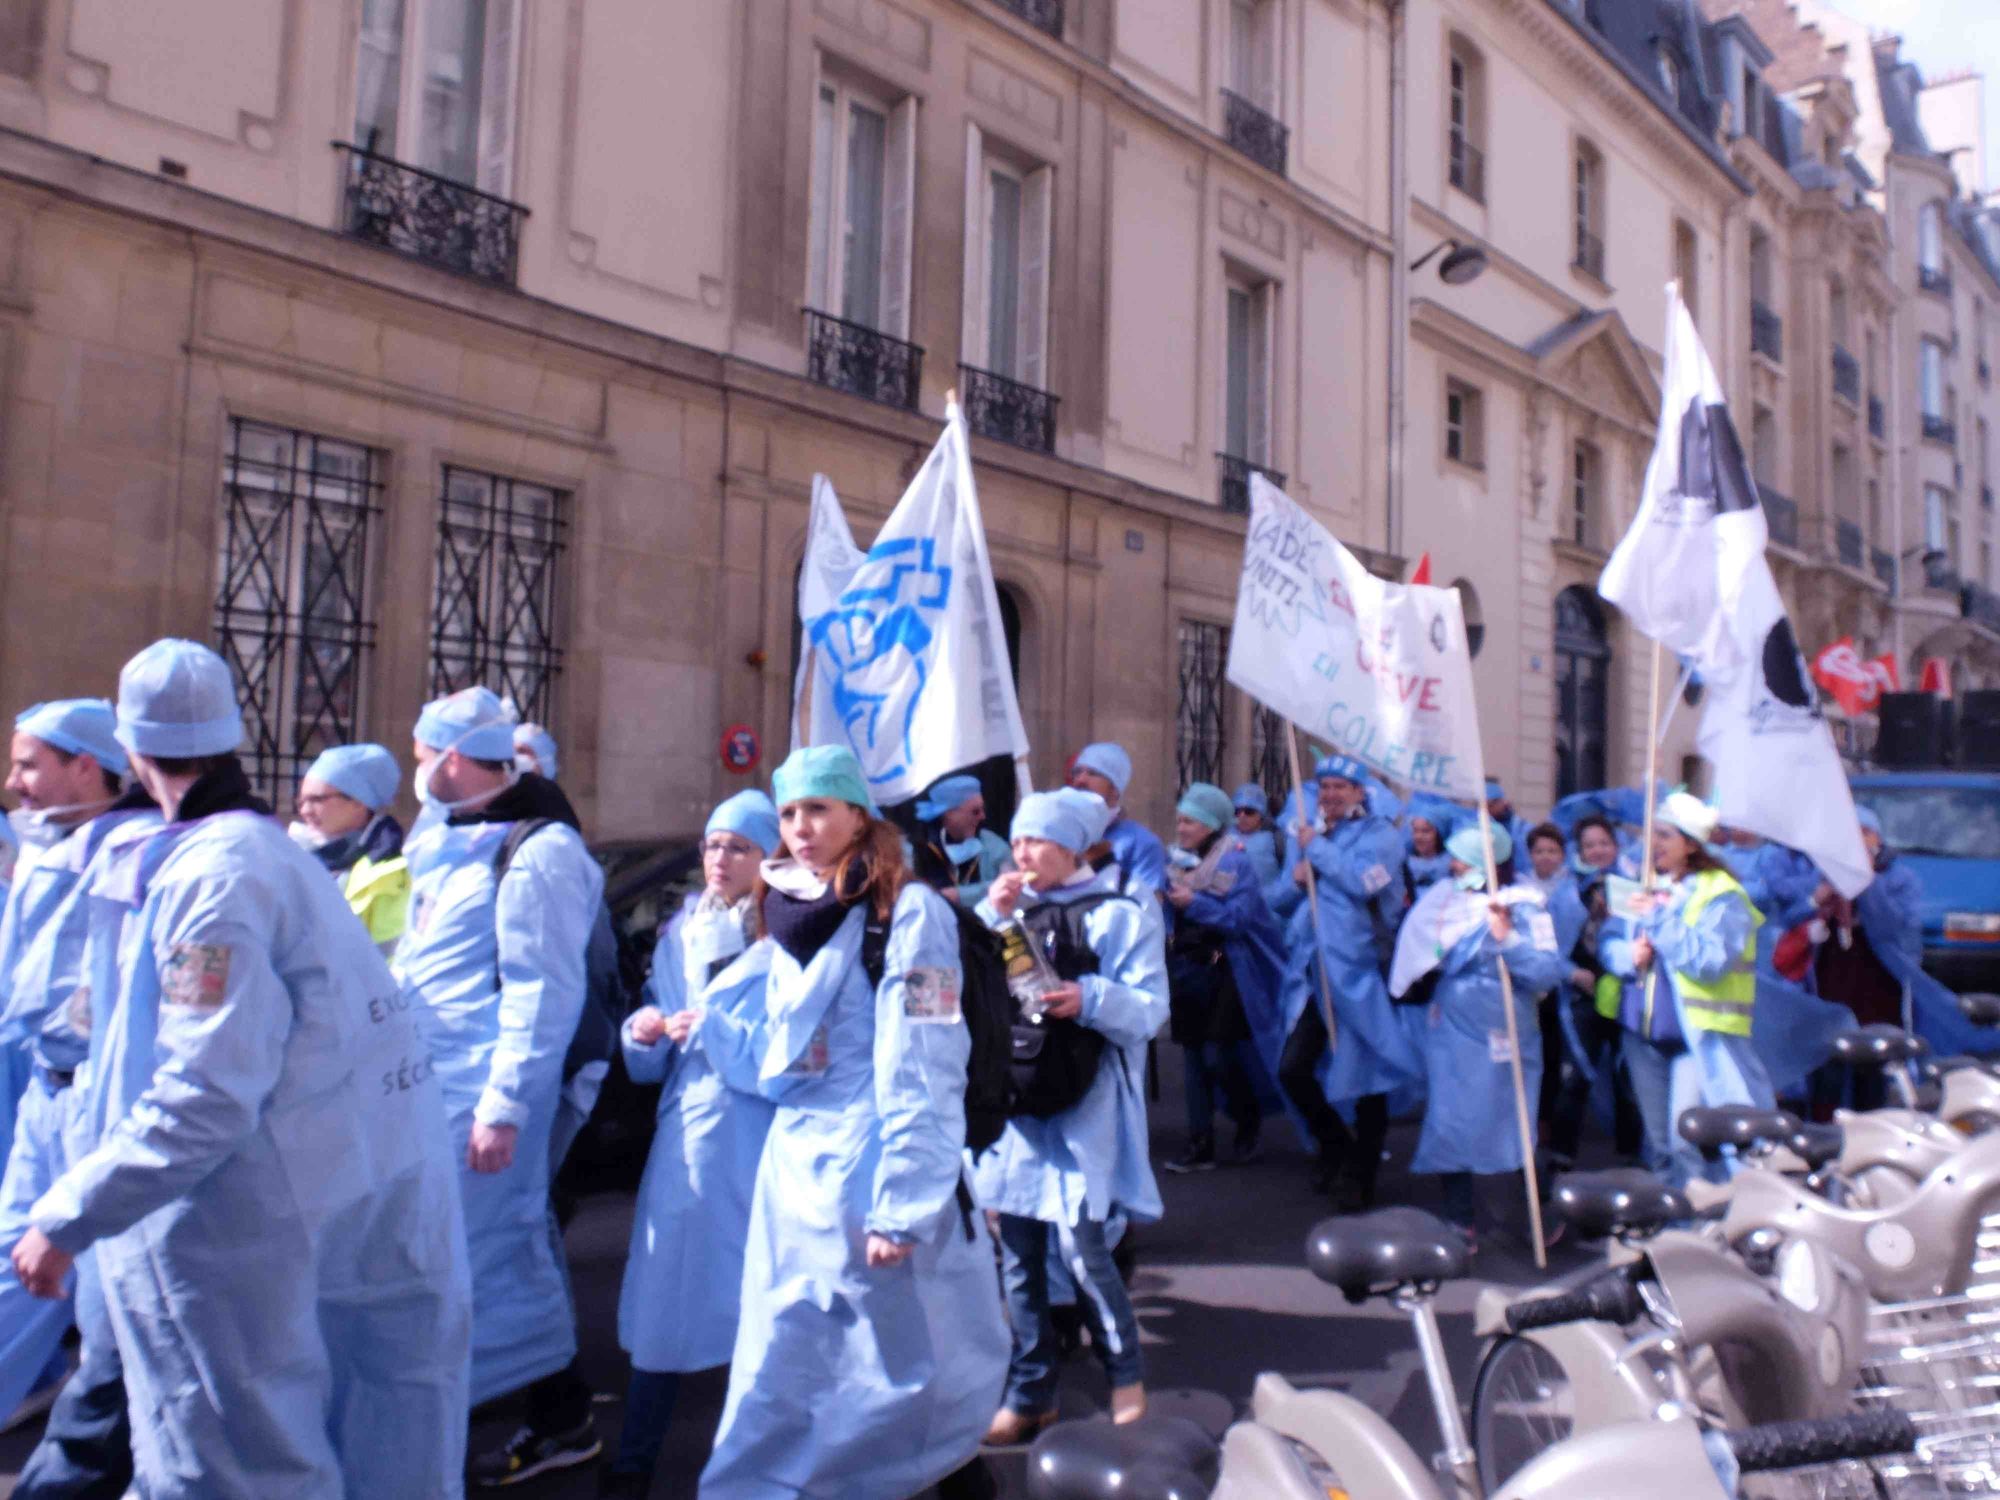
1652	798
1521	1120
1312	889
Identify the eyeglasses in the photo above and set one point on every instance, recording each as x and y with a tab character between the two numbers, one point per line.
731	848
312	800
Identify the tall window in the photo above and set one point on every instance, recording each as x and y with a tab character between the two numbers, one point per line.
1930	239
1464	424
1253	52
1836	310
1985	473
1199	721
1583	696
1587	209
493	610
1941	522
1005	314
1687	265
1762	292
434	87
1466	88
1764	446
864	164
292	608
1270	760
1586	468
1246	395
1930	379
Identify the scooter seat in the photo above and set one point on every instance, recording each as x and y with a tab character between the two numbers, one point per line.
1878	1046
1711	1127
1624	1200
1980	1010
1816	1145
1369	1254
1154	1458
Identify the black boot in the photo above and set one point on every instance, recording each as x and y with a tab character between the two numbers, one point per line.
1327	1165
1354	1184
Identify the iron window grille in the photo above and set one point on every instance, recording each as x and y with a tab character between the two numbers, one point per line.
1043	15
1940	430
1767	332
1270	760
292	608
1934	279
1199	723
1233	483
431	218
997	407
493	606
861	361
1254	132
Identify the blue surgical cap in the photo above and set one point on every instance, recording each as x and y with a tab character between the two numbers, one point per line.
1207	804
1109	761
749	815
829	771
1250	798
471	721
1870	823
1494	791
78	726
538	742
1382	802
1435	811
1060	817
1344	767
367	773
176	699
947	793
1468	848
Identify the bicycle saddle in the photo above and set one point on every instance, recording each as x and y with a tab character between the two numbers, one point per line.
1877	1046
1154	1458
1816	1145
1383	1251
1957	1063
1980	1010
1624	1200
1711	1127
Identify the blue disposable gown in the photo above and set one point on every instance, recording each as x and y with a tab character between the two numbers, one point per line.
848	1381
677	1309
1139	853
994	857
1890	911
279	1246
1092	1157
1261	845
497	970
1470	1123
1358	870
1253	942
1716	1068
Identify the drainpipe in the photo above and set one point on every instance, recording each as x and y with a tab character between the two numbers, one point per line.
1399	265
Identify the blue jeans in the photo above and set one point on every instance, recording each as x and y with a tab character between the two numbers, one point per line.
1024	1268
1208	1067
1651	1069
86	1449
649	1407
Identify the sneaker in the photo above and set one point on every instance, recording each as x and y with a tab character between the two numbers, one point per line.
529	1453
1199	1157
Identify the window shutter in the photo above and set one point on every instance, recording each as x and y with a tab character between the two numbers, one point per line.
1264	60
500	68
819	272
1261	302
1036	202
899	174
972	309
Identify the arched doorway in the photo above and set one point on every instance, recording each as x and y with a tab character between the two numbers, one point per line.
1583	670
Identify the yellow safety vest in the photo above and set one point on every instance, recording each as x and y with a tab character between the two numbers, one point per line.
1724	1004
379	893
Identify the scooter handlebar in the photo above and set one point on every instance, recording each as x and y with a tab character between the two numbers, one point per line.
1613	1298
1792	1445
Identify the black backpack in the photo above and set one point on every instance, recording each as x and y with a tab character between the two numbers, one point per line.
596	1038
1055	1062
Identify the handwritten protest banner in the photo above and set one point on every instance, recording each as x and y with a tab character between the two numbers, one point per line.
1378	670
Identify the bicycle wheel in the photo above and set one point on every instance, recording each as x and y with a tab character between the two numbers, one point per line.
1521	1406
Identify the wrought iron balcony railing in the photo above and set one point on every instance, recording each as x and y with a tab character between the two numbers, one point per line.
1781	513
853	358
431	218
1985	371
1934	279
1878	417
1883	563
1043	15
1253	132
1848	544
1986	497
1981	606
1767	332
1589	253
1468	168
1940	430
1846	375
1235	481
997	407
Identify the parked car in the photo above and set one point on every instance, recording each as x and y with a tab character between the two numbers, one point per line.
1947	825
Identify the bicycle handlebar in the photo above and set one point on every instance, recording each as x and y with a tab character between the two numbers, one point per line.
1612	1298
1792	1445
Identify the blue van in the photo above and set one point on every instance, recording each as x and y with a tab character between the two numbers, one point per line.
1946	824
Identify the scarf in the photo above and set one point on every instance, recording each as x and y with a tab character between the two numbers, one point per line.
224	789
714	933
801	912
1201	876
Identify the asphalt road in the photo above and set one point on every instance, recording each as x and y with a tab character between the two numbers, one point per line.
1221	1291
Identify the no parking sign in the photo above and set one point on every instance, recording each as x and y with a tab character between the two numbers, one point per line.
741	750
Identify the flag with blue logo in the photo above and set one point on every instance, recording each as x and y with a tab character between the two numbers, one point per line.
903	657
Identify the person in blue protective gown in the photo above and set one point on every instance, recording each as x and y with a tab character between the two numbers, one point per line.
1226	962
1461	932
66	769
1500	808
1427	823
1253	832
1142	859
278	1244
700	1033
1070	1170
957	854
1357	864
495	966
345	822
1589	1019
535	751
870	1351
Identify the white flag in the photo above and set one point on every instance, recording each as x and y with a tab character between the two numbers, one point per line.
830	563
906	656
1378	670
1691	574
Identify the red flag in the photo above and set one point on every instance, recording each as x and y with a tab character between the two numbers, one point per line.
1422	572
1840	670
1884	669
1937	676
